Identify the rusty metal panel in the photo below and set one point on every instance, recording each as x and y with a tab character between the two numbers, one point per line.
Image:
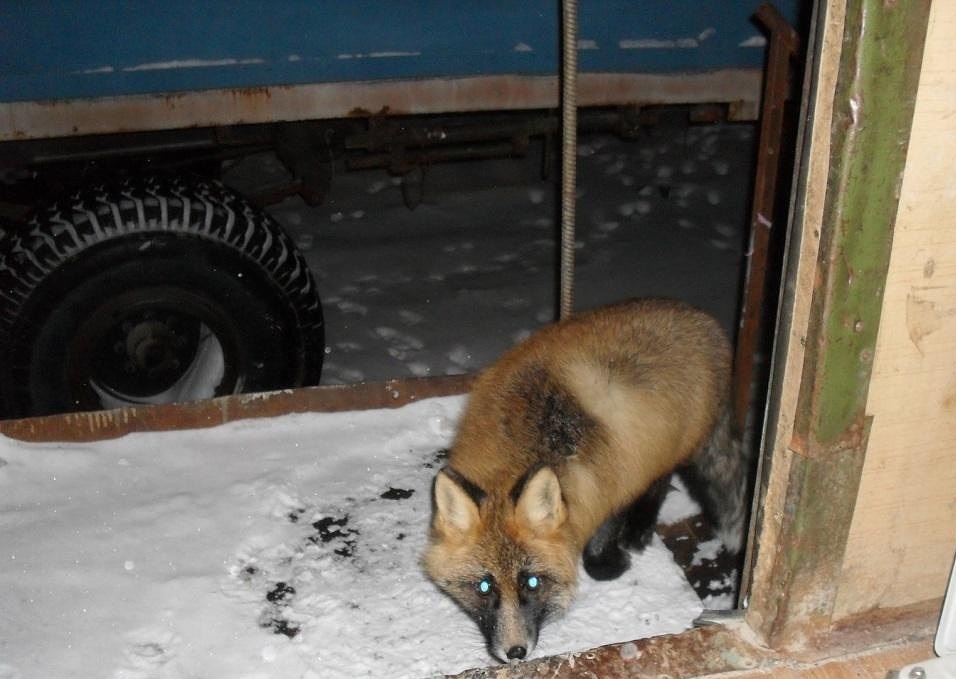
134	113
776	92
94	426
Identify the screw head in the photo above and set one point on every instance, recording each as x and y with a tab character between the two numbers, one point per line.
917	673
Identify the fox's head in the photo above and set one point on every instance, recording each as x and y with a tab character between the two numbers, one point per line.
504	557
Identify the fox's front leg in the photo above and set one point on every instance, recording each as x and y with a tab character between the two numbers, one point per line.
605	555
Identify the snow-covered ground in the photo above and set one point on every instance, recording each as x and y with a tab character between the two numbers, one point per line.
283	548
289	547
445	288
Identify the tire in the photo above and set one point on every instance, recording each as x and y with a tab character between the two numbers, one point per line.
155	290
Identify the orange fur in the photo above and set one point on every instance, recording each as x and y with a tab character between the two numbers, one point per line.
611	400
655	373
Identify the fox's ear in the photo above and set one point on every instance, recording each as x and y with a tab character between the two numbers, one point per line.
456	508
539	504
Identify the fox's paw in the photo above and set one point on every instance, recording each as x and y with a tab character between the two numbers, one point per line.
608	564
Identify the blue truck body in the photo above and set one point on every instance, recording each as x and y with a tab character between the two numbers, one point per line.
117	57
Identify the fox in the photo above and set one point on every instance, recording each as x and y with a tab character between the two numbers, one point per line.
564	452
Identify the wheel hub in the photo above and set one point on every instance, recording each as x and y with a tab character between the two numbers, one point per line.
145	352
151	348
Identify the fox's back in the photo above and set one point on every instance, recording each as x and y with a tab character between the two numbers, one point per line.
612	398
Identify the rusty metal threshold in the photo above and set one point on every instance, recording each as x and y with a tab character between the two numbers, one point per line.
99	425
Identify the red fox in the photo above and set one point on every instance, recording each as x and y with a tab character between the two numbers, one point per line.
566	447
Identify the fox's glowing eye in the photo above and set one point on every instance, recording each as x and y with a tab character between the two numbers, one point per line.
532	582
484	585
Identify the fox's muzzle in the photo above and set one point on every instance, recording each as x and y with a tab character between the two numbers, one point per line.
510	631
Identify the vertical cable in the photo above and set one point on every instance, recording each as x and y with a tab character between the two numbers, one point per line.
569	136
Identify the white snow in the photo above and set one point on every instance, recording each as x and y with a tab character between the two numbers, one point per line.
192	63
156	555
475	260
754	41
678	505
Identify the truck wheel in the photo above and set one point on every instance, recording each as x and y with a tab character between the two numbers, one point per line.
156	290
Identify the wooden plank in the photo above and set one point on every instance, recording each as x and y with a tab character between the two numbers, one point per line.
902	539
803	244
871	665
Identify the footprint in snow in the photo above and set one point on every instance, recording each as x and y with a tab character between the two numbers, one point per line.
725	230
401	345
641	207
347	307
348	347
336	374
516	303
614	168
377	187
418	369
521	335
410	317
147	650
460	356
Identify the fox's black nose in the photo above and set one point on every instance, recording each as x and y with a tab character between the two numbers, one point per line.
517	652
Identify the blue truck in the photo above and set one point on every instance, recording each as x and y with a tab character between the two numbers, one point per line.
129	274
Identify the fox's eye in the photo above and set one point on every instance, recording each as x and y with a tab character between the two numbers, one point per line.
532	582
484	586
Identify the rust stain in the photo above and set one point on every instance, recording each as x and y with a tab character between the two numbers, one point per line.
256	92
359	112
